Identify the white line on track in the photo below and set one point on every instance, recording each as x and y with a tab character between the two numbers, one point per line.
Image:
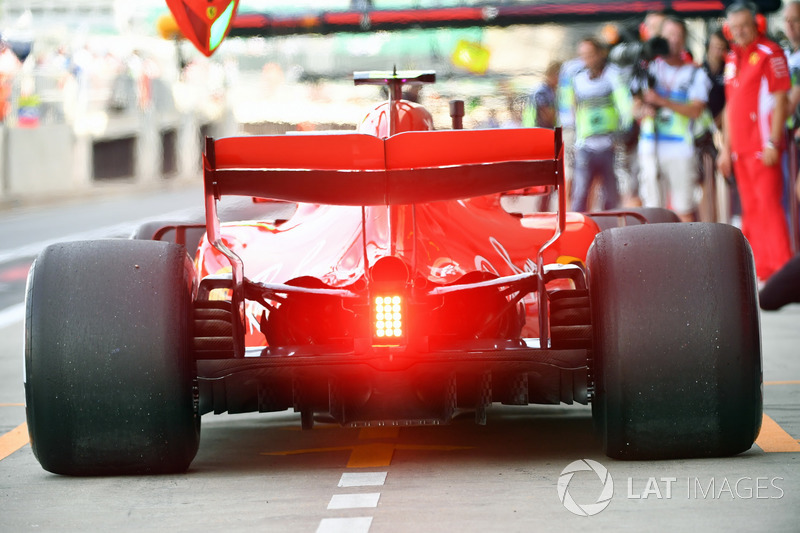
123	229
345	525
362	479
354	501
15	313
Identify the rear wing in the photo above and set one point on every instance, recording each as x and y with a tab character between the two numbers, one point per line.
407	168
357	169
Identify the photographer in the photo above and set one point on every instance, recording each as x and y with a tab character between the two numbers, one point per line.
674	95
628	54
632	56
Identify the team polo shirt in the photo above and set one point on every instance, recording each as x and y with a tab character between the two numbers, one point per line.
752	75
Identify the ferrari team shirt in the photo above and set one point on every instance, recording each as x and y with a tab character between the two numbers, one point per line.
752	74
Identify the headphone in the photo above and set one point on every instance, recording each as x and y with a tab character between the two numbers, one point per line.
761	20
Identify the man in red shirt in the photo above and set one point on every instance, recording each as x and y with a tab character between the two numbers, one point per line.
756	85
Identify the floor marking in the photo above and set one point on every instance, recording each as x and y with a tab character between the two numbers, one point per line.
354	501
13	440
345	525
792	382
773	438
371	455
379	433
362	479
12	405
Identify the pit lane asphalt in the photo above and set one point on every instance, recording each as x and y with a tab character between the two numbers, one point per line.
262	473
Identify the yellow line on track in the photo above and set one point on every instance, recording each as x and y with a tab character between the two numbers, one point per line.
12	405
371	455
792	382
13	440
774	438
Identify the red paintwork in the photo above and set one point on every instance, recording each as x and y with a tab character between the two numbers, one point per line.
410	117
195	18
453	238
444	236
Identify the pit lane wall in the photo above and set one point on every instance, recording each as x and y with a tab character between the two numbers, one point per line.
52	161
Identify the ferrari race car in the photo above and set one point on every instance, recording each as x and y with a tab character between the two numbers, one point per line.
399	293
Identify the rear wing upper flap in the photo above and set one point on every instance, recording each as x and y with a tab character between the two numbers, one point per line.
359	169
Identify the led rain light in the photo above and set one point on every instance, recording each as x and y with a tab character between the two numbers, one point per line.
388	317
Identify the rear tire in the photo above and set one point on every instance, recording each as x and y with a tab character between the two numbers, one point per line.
677	352
147	231
652	215
109	379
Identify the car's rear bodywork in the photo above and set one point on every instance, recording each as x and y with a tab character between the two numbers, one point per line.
400	292
468	277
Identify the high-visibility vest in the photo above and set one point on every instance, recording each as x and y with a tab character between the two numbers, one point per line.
603	106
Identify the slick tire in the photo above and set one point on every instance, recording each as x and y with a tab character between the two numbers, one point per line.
677	352
147	231
109	379
653	215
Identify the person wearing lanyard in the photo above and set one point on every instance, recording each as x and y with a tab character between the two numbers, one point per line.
602	109
667	112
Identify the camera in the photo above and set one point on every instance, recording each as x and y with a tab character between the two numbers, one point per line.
627	54
639	55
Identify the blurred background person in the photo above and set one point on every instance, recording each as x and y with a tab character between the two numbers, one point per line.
717	49
675	98
602	108
756	85
541	109
566	115
715	205
791	20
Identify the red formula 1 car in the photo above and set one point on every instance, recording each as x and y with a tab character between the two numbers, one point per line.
400	292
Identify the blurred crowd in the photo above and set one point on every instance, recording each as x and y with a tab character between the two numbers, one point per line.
712	138
62	84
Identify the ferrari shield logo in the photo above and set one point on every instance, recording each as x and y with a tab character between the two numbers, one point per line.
204	22
753	58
